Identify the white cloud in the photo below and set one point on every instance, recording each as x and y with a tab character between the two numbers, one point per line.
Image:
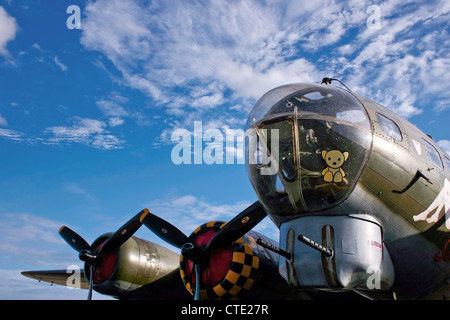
81	130
115	108
60	64
188	212
249	82
12	135
84	131
172	51
115	121
169	45
102	30
28	239
404	61
445	146
3	122
31	242
112	106
107	142
76	189
90	132
30	228
8	30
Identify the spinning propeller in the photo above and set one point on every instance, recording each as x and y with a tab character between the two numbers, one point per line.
199	254
93	256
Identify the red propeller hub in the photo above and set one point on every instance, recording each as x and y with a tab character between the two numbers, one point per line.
229	270
106	267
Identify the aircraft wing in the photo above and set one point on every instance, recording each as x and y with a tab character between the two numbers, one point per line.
54	276
168	287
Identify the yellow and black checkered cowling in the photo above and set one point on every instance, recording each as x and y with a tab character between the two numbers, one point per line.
230	271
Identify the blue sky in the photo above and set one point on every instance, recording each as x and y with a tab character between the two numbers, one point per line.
86	115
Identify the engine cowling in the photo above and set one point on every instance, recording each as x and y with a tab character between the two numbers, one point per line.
135	264
230	271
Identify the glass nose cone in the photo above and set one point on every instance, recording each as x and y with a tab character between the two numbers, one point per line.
317	138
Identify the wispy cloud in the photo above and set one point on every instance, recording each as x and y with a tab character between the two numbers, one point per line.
247	47
26	227
24	237
216	46
60	64
90	132
187	212
3	122
112	108
8	30
12	135
31	240
198	60
397	65
76	189
48	58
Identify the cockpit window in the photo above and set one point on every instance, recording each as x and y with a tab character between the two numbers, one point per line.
389	127
312	100
331	154
433	154
287	159
325	138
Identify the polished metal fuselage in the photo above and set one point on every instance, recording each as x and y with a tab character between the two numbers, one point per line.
413	244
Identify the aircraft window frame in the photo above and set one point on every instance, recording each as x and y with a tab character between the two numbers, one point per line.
447	162
389	127
433	154
287	174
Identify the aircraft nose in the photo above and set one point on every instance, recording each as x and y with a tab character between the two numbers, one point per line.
310	121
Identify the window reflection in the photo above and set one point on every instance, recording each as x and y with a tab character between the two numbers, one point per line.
287	160
433	154
389	127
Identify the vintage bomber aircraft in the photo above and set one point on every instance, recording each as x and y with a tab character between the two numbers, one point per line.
360	195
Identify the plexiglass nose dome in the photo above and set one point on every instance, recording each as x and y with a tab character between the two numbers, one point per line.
309	147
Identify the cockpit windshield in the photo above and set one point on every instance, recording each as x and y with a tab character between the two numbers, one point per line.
312	100
324	136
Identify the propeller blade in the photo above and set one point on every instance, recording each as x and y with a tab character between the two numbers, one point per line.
197	282
91	282
238	226
124	233
74	239
165	230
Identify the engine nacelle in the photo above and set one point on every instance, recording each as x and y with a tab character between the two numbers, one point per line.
135	264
